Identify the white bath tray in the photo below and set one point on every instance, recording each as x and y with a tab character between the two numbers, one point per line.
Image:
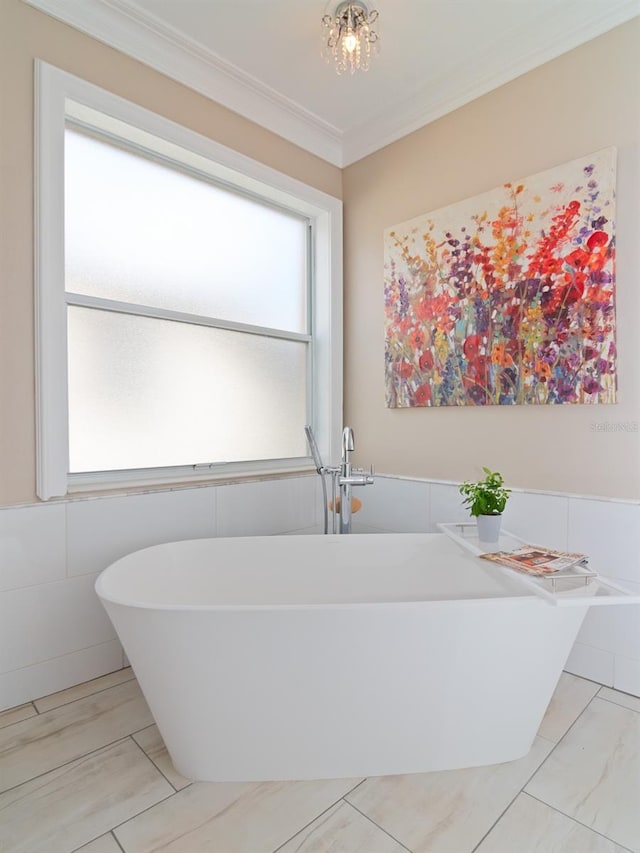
568	588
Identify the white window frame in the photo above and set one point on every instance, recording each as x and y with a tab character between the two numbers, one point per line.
61	96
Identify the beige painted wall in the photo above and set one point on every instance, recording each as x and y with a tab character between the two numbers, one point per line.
26	34
581	102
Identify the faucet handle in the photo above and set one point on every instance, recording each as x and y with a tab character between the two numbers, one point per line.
364	479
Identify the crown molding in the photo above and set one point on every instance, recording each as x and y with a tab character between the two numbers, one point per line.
454	91
124	27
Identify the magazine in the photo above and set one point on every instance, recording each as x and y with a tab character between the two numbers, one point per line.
534	560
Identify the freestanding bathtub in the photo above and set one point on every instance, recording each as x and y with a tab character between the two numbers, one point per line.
306	657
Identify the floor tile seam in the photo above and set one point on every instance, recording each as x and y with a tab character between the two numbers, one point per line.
524	791
565	732
86	696
148	757
102	834
143	729
138	814
576	718
590	680
597	684
612	702
81	758
381	828
517	794
584	710
319	815
579	822
305	827
554	749
613	689
92	840
496	821
18	706
89	720
355	788
22	704
557	743
65	763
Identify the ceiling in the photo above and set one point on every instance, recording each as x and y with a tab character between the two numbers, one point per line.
262	58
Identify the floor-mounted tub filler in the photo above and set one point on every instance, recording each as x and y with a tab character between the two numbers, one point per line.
306	657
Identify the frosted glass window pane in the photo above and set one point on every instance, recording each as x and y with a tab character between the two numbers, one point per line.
141	232
146	393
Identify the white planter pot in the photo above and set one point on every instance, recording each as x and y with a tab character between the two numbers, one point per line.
489	528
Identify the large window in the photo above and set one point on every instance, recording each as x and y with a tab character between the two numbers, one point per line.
161	267
187	301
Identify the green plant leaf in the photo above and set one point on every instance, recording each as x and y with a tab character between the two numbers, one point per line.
486	497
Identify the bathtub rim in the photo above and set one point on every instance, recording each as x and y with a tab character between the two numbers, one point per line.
525	595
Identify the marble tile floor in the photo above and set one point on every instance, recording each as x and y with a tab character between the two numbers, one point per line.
86	770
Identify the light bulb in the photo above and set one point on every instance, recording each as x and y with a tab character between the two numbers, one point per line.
350	42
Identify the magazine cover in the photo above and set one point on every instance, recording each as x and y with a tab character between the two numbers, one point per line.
533	560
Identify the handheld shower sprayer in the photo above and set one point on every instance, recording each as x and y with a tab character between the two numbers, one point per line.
314	449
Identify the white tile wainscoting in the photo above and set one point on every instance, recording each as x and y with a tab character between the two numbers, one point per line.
54	630
55	633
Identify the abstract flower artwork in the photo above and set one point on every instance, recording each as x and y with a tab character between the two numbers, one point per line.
507	298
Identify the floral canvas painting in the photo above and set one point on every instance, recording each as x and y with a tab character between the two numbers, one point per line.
507	298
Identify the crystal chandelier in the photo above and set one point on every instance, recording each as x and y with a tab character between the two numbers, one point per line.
348	37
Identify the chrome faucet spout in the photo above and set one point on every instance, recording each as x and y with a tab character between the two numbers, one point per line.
348	443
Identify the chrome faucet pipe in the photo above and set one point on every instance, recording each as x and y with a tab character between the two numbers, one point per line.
349	477
343	478
348	444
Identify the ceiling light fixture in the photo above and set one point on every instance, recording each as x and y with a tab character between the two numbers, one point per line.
348	37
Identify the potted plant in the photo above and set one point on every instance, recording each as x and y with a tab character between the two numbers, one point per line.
486	501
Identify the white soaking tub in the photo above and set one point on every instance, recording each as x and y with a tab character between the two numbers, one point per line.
306	657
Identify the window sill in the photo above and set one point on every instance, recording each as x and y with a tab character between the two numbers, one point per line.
135	486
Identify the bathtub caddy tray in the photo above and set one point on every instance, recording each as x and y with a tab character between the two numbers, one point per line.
565	588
